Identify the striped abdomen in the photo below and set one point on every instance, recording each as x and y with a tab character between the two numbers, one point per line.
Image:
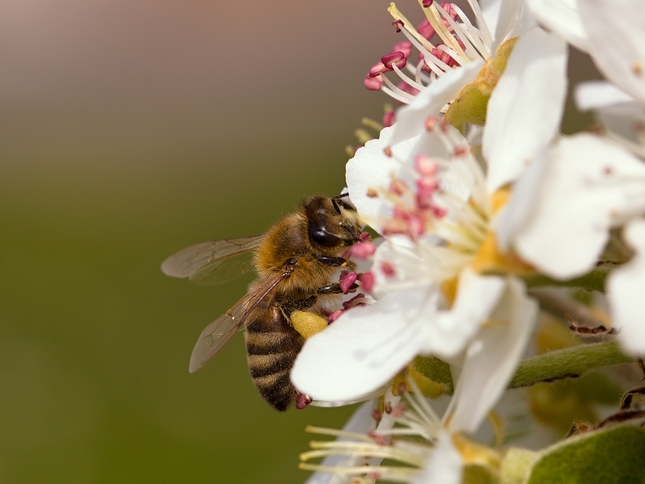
272	346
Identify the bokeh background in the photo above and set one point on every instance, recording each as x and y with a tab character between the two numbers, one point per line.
128	130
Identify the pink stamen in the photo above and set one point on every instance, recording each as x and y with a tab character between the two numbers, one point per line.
387	269
358	300
425	165
398	25
426	29
427	3
335	315
363	250
365	236
398	186
388	119
460	151
378	69
367	281
346	281
405	47
397	59
373	83
378	438
431	123
303	401
405	87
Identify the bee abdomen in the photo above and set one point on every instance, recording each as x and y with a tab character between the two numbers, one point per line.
272	346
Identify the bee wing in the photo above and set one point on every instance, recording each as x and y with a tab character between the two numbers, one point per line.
212	262
217	334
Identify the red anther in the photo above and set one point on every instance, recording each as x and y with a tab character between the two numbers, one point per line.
439	212
444	57
398	186
346	281
425	166
399	410
388	119
397	59
378	438
367	281
405	47
365	236
373	83
405	87
416	225
335	315
387	269
427	185
387	151
303	401
378	69
426	29
460	151
398	25
427	3
431	123
376	414
449	9
363	250
356	301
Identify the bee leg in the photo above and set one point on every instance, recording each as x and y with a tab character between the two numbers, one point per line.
298	305
334	288
332	261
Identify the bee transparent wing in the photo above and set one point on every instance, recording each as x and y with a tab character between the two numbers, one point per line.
213	262
217	334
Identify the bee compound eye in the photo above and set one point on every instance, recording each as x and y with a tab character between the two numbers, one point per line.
318	235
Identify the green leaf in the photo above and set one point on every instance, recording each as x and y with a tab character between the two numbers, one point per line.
614	455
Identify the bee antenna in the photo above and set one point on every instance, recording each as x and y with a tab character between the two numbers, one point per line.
337	201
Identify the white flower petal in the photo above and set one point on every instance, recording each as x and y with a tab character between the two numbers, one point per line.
561	16
619	113
616	33
512	216
513	21
444	466
450	331
589	186
371	168
525	109
599	94
491	359
625	292
410	119
364	348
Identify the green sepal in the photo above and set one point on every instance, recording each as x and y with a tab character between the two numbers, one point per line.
436	371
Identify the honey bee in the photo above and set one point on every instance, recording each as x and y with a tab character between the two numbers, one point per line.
295	261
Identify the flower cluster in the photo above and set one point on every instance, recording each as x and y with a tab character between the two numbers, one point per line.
492	228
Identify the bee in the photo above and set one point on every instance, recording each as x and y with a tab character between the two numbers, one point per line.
295	261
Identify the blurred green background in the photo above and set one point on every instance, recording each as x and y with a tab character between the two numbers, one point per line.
130	129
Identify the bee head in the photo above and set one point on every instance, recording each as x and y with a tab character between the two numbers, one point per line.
330	223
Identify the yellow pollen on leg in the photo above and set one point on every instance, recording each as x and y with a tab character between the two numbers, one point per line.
307	324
